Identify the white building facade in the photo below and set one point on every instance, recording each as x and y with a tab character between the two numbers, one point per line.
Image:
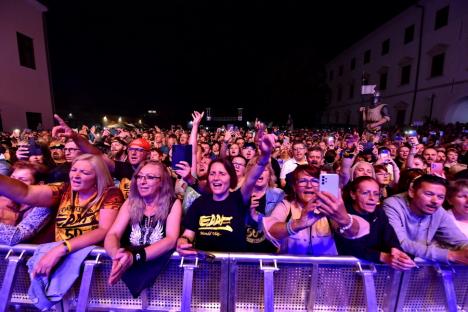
422	72
25	93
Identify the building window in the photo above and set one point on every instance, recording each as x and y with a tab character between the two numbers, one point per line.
367	56
383	81
330	75
405	74
437	66
340	70
409	34
26	51
441	18
353	63
339	93
351	90
386	47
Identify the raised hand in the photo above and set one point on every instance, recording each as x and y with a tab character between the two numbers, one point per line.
197	118
62	130
267	143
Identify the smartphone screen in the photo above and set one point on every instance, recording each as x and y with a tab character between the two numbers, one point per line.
329	182
181	152
437	168
385	156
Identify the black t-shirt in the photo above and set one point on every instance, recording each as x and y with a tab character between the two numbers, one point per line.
123	170
218	225
255	237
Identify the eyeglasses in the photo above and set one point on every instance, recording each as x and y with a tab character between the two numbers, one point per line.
298	149
135	149
69	149
383	174
305	182
148	178
235	164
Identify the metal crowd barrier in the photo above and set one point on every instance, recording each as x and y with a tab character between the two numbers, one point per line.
250	282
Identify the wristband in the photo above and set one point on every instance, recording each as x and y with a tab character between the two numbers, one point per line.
289	228
343	229
139	254
67	244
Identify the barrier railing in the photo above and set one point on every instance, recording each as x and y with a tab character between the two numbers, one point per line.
251	282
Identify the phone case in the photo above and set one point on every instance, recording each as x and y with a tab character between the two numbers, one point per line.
329	182
181	152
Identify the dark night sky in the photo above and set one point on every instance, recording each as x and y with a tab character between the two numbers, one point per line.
124	58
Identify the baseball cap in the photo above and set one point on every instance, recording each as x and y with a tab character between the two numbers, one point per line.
140	142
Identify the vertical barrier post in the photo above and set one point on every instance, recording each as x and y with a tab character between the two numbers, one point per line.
9	278
86	284
405	278
268	285
313	287
187	284
446	273
369	286
228	285
392	289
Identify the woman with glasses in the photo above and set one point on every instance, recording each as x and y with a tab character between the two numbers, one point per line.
300	224
148	226
216	221
381	245
239	163
382	176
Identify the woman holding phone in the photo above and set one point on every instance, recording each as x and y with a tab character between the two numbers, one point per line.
300	223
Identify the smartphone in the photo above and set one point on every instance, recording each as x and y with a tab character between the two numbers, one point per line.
411	133
385	156
330	182
181	152
437	168
441	133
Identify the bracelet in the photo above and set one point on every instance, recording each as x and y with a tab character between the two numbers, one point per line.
139	254
188	239
67	244
289	228
343	229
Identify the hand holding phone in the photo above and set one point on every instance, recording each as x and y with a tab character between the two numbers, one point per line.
181	152
385	156
437	169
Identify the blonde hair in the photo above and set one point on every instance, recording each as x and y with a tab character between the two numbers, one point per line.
353	169
103	177
164	197
253	162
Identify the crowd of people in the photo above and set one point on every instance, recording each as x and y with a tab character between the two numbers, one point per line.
403	194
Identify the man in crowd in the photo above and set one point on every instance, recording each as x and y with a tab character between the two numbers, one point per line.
423	227
299	158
